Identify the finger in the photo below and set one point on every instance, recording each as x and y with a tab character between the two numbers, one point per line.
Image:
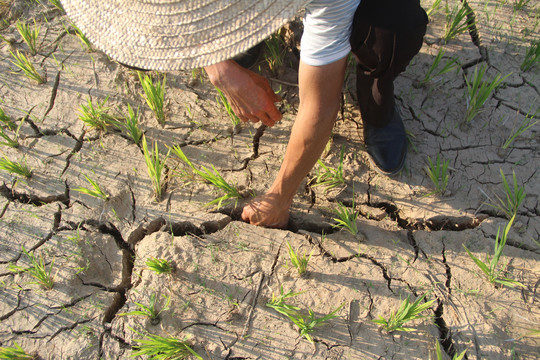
266	120
274	114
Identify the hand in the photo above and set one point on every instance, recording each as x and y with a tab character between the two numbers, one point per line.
267	210
249	94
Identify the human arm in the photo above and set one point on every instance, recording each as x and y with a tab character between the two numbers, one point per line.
249	94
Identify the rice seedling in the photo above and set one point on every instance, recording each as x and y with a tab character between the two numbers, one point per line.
131	125
96	190
155	164
532	57
154	94
214	178
149	310
434	8
520	4
234	119
56	4
431	74
6	120
8	141
85	43
438	351
406	312
163	348
479	91
300	262
159	266
438	173
21	61
14	353
274	54
17	168
513	198
347	218
456	21
96	115
525	125
37	269
490	267
306	325
329	177
29	35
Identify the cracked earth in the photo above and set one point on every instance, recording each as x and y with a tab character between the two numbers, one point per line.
224	271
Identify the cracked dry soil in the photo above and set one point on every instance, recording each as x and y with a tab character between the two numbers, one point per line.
224	271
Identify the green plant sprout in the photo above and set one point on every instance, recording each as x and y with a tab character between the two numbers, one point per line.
37	269
448	66
406	312
8	141
330	177
512	200
155	164
479	91
29	70
159	266
96	190
456	21
526	124
438	351
490	267
212	177
131	125
163	348
434	8
234	119
15	353
438	173
274	54
150	310
306	325
532	57
96	116
17	168
154	94
520	4
6	120
347	218
300	262
56	4
29	35
85	43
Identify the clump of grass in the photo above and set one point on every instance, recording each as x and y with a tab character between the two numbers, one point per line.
532	57
434	8
15	353
154	94
520	4
96	115
300	262
490	267
155	164
21	61
29	35
149	310
159	266
406	312
513	198
6	120
306	325
440	355
432	72
18	168
330	177
212	177
456	21
347	217
56	4
274	54
131	125
234	119
164	348
85	43
96	190
438	173
37	269
525	125
8	141
479	91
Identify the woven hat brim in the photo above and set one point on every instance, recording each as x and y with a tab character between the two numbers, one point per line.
178	34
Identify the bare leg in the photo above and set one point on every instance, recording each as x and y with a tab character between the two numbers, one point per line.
320	95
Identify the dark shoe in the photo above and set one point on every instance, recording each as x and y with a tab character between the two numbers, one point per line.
386	146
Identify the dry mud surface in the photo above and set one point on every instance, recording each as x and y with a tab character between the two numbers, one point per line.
225	271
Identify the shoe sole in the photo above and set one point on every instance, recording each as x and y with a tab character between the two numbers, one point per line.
381	171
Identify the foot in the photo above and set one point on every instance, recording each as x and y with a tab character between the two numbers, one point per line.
387	146
267	210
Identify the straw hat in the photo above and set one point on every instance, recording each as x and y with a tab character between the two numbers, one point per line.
178	34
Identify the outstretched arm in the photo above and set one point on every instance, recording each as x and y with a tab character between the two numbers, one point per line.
320	97
249	94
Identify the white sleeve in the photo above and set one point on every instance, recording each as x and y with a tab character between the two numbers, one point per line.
327	28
